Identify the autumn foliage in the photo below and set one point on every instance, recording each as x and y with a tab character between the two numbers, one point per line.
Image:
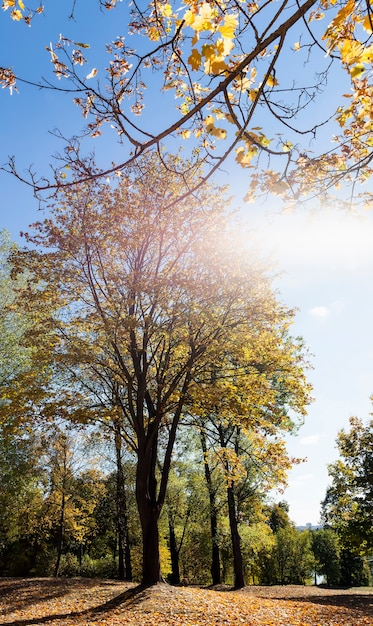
80	602
222	71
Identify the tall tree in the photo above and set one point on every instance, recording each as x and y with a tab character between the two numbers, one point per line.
146	295
326	550
234	70
245	410
348	505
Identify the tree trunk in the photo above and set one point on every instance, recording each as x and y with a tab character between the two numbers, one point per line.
239	580
124	554
61	532
215	560
151	565
175	575
149	511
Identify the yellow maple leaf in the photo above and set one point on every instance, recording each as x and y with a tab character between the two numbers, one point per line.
367	24
230	24
224	46
215	66
219	133
357	70
189	17
195	59
351	51
165	10
16	15
244	157
367	55
201	23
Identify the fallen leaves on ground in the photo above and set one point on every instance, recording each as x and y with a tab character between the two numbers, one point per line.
83	602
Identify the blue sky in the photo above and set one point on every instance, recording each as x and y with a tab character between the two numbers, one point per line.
326	258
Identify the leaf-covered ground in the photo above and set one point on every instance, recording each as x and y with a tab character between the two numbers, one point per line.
82	602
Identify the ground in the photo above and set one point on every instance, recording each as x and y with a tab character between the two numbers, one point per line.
83	602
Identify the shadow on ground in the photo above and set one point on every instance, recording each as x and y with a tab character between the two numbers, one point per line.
18	593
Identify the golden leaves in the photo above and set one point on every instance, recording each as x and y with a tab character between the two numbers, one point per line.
78	602
206	18
219	133
227	30
195	59
16	10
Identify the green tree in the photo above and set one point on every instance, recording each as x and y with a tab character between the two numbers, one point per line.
290	562
279	516
326	550
348	506
146	301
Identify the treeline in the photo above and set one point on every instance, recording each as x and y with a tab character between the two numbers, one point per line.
60	515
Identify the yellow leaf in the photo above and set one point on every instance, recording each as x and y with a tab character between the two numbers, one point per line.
253	94
208	121
153	33
229	26
272	81
206	10
219	133
165	10
367	55
297	46
224	46
185	134
21	5
244	157
342	15
357	70
215	66
195	59
286	147
367	24
201	23
16	15
189	17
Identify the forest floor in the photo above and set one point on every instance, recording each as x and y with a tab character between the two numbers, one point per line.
84	602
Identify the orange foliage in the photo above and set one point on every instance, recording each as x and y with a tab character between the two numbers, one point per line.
81	602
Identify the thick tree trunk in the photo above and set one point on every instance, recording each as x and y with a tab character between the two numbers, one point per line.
151	565
149	511
215	555
239	580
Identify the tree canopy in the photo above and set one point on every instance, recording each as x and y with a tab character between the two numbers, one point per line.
245	77
348	506
142	305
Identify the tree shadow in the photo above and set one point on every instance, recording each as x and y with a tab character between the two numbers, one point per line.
356	601
127	598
